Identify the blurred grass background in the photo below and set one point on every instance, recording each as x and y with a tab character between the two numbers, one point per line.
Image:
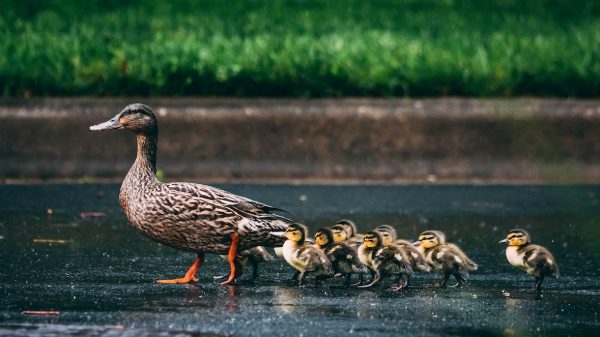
309	48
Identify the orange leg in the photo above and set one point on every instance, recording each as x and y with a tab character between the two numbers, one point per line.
235	237
190	275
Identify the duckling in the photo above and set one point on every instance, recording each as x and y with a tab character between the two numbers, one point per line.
384	260
305	258
388	234
533	259
353	238
445	258
344	259
416	258
253	256
187	216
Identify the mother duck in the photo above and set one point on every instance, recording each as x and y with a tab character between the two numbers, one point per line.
187	216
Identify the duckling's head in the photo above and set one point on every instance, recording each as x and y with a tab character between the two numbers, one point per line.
349	225
388	234
136	117
430	239
323	237
296	232
372	239
340	233
517	237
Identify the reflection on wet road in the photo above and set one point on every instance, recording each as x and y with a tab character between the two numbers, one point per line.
98	273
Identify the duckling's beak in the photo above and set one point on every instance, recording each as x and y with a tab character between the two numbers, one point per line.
503	241
111	124
416	243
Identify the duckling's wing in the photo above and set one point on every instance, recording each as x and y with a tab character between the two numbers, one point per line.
469	264
539	258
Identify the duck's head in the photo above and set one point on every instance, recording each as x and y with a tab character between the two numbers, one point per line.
323	237
430	239
136	117
349	225
388	234
296	232
517	237
372	239
340	233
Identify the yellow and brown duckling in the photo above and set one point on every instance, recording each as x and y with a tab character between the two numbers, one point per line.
187	216
388	234
344	259
446	258
250	257
352	237
389	237
305	258
384	260
535	260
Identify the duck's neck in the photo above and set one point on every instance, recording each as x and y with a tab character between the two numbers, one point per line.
146	152
144	167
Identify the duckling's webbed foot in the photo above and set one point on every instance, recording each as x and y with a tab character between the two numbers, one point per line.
190	275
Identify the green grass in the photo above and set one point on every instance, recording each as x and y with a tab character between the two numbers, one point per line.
301	48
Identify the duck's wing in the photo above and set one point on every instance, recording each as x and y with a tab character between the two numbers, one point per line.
224	211
469	264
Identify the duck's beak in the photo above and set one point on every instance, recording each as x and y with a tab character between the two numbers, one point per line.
503	241
416	243
111	124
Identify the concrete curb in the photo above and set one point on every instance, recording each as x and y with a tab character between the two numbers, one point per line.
347	140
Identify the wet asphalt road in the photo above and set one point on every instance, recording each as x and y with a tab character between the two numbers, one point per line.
100	279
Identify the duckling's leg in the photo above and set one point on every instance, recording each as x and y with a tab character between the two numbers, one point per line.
348	277
442	283
538	283
190	275
401	281
254	271
235	269
301	277
360	280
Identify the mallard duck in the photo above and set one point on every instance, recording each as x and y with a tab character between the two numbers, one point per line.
384	260
186	216
305	258
253	257
535	260
446	258
344	259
